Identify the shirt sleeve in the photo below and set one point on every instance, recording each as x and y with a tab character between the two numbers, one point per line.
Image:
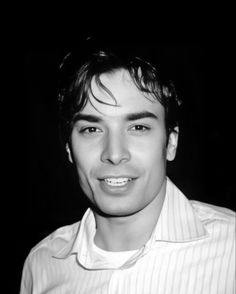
26	279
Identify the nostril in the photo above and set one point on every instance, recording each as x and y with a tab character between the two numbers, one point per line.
115	156
115	159
115	149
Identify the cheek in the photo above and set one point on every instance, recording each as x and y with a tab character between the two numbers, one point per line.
156	166
155	169
83	154
84	165
151	153
85	159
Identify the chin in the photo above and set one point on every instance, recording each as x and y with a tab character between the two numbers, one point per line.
115	211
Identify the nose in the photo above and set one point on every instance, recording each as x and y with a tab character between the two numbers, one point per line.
115	150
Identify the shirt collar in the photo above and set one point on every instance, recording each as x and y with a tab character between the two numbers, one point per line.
83	239
178	222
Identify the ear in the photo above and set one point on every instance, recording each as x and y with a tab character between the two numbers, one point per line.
69	153
172	144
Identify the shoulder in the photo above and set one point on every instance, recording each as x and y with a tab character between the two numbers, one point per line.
40	258
208	211
215	218
54	242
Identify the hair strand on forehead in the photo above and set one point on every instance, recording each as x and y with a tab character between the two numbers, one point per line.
104	88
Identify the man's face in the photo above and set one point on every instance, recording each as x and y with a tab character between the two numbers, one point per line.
120	151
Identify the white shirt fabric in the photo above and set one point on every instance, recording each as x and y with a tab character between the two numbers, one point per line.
191	250
115	259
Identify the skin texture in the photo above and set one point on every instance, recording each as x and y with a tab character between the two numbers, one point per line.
117	144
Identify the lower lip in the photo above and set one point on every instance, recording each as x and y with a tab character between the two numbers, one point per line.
117	190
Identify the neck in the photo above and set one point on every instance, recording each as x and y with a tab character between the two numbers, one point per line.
129	232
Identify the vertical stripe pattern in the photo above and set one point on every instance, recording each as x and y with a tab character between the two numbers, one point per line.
191	250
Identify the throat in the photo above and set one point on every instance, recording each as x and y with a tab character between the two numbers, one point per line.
131	234
117	242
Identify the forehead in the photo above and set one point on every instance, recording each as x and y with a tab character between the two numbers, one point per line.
129	98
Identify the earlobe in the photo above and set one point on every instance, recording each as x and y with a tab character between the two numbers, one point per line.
172	144
69	153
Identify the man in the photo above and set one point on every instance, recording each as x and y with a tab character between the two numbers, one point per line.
140	235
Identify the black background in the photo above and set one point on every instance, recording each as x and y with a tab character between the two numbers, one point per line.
203	168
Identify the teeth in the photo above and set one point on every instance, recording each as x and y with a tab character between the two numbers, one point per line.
117	181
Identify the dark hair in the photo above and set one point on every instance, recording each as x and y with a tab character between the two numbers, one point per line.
77	72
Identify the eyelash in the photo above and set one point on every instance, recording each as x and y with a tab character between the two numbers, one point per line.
95	130
144	128
88	129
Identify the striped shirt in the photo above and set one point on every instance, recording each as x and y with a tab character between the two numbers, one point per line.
191	250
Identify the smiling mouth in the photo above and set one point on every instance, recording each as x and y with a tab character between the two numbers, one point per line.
117	182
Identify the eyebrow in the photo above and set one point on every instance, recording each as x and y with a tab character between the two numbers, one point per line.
128	117
140	115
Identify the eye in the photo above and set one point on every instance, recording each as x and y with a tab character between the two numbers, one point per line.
90	130
139	128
